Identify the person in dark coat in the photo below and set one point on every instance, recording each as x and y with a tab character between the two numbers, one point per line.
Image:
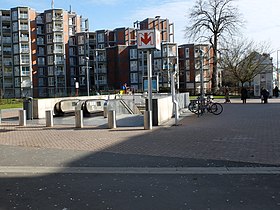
276	91
264	95
244	95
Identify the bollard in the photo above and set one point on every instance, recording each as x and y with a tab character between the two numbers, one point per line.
148	120
79	118
112	119
105	112
0	116
22	117
49	118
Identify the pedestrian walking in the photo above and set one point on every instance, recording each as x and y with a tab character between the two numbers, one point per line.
276	91
264	95
227	99
244	95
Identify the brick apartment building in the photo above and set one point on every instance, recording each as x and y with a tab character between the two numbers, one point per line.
53	54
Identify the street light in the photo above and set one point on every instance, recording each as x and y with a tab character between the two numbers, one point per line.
201	75
87	74
277	70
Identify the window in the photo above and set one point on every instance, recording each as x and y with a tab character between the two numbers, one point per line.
50	49
15	37
16	59
41	51
14	15
188	78
81	39
49	38
50	81
133	53
16	71
187	52
50	60
58	38
41	61
17	81
25	71
16	49
133	65
25	59
100	37
40	40
134	78
41	81
81	50
49	17
15	26
25	48
41	71
50	71
187	64
58	49
157	65
49	28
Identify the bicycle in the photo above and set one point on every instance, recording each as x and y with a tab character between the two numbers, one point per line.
201	105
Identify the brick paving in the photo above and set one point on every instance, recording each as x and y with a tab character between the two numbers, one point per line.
243	132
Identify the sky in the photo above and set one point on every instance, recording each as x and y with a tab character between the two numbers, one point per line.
262	19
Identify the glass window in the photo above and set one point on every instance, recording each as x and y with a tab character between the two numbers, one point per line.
51	81
100	37
25	59
187	52
133	53
133	65
134	78
25	71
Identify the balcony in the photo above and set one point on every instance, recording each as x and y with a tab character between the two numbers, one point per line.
23	39
58	28
24	50
23	27
58	40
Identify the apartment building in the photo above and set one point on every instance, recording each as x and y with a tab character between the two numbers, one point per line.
53	53
33	51
17	37
191	56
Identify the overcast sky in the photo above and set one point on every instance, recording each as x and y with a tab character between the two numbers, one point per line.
262	17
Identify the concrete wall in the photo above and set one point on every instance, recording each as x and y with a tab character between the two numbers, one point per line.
163	107
41	105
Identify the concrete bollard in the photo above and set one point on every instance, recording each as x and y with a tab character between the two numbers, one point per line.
112	119
22	117
105	112
49	118
148	125
79	118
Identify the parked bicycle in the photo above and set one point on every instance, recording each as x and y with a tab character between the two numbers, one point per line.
206	104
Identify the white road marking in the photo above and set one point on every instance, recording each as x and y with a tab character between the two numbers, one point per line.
18	171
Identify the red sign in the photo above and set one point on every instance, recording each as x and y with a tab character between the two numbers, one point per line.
148	39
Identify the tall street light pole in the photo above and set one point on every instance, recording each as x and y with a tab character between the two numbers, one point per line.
277	69
87	74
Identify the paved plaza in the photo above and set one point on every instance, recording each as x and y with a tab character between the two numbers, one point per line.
229	161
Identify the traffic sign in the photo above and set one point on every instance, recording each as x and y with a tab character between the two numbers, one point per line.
148	39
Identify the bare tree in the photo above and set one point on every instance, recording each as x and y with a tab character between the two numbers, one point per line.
210	21
242	60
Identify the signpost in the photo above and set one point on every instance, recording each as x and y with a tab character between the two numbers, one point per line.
148	40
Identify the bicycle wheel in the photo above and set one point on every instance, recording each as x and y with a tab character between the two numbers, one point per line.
216	108
193	106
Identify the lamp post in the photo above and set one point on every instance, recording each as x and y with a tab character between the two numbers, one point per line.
87	74
201	75
277	70
96	69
